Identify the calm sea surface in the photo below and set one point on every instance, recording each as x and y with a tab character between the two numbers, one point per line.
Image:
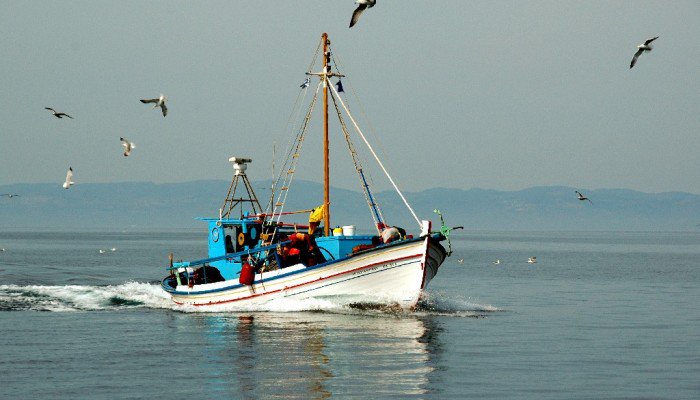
600	316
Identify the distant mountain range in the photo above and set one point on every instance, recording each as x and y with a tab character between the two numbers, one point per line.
149	206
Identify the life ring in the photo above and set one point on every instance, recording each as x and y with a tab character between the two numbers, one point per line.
241	239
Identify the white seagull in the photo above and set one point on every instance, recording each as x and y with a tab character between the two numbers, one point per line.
69	179
160	102
9	195
56	114
497	262
127	146
532	260
361	6
646	46
461	260
582	197
306	83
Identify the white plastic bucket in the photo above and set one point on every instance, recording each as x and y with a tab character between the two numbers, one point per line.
349	230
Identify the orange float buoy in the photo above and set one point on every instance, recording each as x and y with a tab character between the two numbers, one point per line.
247	274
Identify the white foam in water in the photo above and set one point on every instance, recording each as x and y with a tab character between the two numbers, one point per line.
76	297
148	295
439	303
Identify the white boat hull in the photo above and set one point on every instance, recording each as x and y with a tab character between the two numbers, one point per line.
389	275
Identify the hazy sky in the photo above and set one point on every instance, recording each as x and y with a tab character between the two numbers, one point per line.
500	95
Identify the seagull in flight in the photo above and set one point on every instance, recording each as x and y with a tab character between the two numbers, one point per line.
56	114
69	179
498	261
127	146
160	102
361	6
582	197
646	46
9	195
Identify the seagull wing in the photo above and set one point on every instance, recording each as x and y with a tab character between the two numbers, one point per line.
636	56
164	109
69	178
650	40
67	115
49	108
149	101
127	146
356	14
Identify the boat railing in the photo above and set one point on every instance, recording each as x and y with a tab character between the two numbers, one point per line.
185	264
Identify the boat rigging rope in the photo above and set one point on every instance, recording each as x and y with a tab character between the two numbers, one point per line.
313	61
369	146
373	207
365	176
289	167
363	114
293	116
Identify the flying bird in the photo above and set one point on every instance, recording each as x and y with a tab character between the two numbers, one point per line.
56	114
498	261
646	46
582	197
69	179
532	260
361	6
160	102
127	146
9	195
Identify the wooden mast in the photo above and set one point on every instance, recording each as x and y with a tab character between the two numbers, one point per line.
326	163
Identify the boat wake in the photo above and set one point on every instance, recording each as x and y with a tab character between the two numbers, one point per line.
82	298
69	298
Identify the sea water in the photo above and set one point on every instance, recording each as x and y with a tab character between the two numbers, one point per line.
601	315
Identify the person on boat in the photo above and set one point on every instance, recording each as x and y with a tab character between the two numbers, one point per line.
302	249
393	233
315	217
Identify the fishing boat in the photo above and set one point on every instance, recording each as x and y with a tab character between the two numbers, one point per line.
255	257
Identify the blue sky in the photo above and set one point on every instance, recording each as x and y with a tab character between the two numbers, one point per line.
498	95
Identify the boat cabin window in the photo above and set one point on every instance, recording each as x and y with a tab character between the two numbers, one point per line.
229	244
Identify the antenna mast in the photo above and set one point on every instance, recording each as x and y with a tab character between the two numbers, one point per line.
326	162
239	166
